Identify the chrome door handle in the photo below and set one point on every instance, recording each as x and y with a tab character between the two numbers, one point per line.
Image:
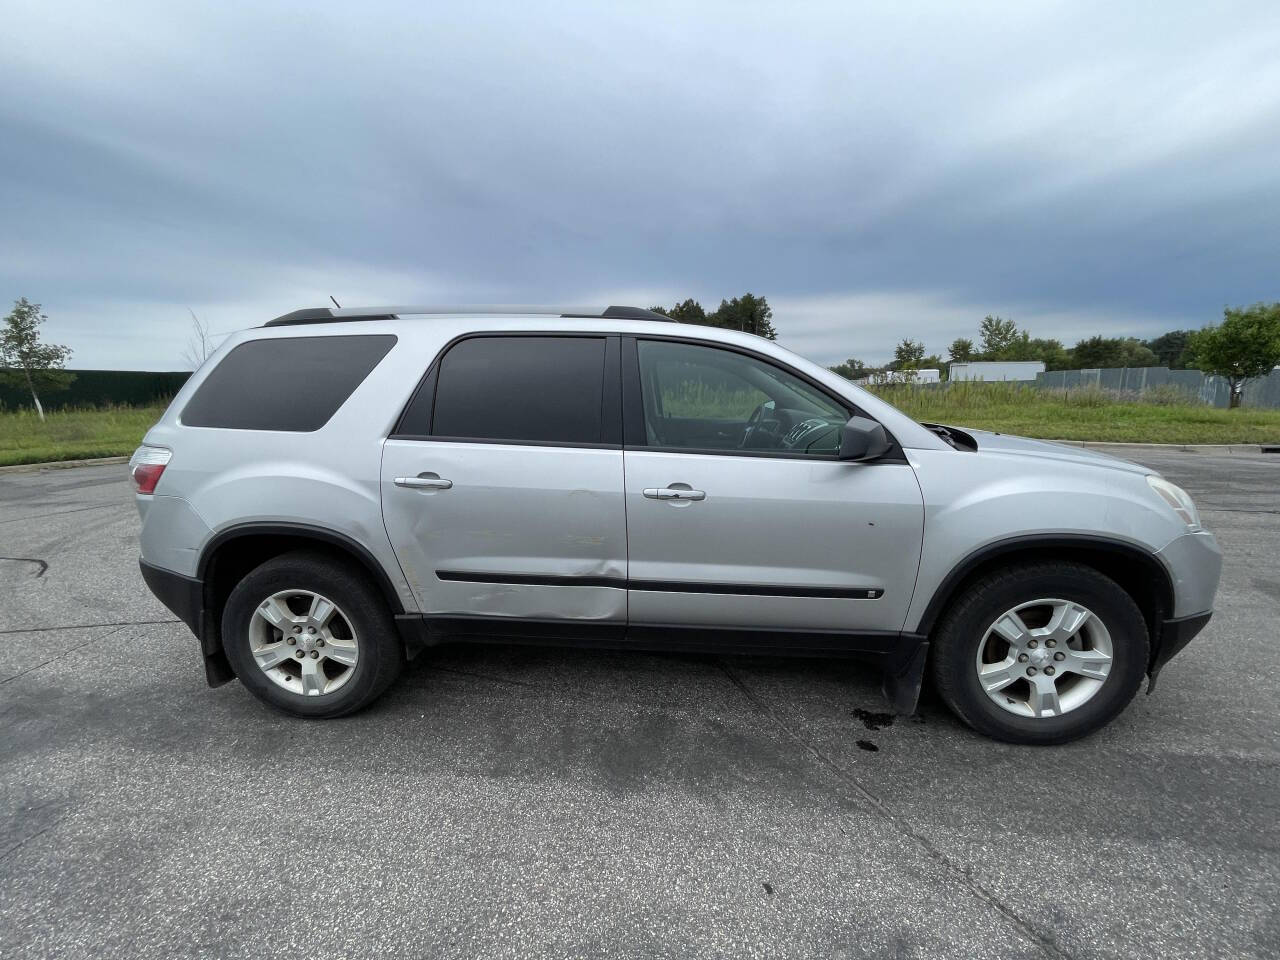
674	493
431	482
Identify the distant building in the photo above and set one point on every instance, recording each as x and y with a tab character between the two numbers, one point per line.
993	370
928	375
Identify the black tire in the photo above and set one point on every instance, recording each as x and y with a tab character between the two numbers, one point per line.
956	643
381	653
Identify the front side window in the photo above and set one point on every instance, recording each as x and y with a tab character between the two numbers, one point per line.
520	389
706	398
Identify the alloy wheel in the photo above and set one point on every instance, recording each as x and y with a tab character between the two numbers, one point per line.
303	642
1044	658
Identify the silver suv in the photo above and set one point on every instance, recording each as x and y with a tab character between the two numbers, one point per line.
337	490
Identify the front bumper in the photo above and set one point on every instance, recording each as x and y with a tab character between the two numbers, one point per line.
1194	561
1175	634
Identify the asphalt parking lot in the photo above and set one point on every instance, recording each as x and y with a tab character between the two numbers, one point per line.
518	802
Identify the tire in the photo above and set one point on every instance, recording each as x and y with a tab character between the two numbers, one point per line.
363	655
1019	709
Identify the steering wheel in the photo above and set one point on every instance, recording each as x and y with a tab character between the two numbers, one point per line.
753	422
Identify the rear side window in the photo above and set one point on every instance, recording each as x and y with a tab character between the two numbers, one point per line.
515	389
289	383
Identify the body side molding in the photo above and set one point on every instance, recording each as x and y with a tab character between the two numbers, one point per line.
663	586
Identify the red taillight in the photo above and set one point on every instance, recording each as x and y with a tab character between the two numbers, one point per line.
146	465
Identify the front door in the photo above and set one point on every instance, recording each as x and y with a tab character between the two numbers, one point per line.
738	512
502	486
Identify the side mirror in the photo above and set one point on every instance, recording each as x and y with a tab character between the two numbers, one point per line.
863	439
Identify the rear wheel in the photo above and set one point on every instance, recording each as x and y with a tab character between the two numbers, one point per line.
310	636
1041	654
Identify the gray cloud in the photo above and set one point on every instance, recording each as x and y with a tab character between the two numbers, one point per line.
876	173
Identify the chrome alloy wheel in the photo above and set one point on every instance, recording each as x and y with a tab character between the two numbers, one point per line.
1044	658
303	642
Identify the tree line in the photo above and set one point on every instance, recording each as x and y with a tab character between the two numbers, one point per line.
1000	339
1246	344
748	313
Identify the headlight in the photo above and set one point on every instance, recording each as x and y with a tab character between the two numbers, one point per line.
1177	498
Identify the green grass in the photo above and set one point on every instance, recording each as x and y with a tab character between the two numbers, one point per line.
1087	414
696	399
73	434
1160	416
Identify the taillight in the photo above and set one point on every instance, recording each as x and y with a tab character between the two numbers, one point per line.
146	465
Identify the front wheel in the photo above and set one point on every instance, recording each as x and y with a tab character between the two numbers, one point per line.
310	636
1041	654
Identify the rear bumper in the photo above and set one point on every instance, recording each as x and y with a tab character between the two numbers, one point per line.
1175	634
185	597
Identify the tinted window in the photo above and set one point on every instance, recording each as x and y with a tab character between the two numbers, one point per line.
542	389
290	383
706	398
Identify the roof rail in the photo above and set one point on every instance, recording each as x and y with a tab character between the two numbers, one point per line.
345	314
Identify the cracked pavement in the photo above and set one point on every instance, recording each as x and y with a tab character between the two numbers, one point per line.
516	802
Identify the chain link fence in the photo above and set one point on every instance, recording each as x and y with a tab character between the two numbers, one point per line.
1208	389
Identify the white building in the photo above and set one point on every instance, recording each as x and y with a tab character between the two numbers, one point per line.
928	375
992	370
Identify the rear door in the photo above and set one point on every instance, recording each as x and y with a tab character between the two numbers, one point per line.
740	515
502	487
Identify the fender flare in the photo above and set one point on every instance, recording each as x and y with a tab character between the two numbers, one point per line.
306	531
1127	550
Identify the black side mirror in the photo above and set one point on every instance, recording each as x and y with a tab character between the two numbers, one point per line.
863	439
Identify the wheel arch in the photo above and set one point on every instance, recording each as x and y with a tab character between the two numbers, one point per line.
1137	571
234	551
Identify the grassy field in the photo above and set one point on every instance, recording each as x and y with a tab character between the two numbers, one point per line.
72	434
1089	414
1160	416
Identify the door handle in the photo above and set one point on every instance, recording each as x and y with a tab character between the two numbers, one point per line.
674	493
424	481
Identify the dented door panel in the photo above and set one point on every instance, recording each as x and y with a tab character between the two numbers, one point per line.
522	531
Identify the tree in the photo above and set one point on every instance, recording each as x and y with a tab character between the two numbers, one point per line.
1099	351
907	355
25	360
1245	345
200	343
748	313
1137	354
1103	351
997	336
1170	347
1050	352
852	369
690	311
961	350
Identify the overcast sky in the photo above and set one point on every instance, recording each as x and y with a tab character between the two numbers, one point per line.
876	170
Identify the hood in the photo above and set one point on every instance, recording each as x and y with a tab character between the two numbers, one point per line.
1048	450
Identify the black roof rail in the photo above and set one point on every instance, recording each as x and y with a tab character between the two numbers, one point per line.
322	315
619	313
331	315
635	313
